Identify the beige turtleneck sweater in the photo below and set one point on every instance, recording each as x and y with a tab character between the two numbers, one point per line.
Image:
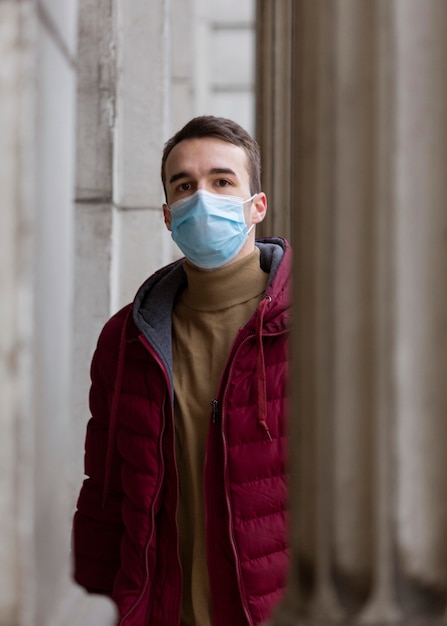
206	319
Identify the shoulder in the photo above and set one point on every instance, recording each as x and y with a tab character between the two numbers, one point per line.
107	349
110	335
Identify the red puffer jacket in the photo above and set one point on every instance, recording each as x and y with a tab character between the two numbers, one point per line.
125	530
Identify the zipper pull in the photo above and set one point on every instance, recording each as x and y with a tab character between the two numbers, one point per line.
215	405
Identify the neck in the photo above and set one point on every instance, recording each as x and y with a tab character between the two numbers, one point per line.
225	286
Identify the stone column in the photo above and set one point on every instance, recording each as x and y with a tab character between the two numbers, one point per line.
16	276
274	83
95	114
37	114
141	243
420	251
369	396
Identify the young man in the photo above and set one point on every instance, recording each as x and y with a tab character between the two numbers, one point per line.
182	518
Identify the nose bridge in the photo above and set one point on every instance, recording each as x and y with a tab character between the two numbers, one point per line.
204	184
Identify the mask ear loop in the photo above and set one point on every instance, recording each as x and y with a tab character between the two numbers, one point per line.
250	199
245	202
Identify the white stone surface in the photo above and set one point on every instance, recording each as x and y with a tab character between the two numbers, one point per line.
10	337
37	112
53	319
182	107
232	11
60	19
238	106
180	38
141	245
181	50
142	111
91	309
78	608
95	101
232	58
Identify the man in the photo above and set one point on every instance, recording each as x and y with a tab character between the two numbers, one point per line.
182	518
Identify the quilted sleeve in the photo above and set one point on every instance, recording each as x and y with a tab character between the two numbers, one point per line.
97	524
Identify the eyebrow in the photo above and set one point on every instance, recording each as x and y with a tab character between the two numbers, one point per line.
214	170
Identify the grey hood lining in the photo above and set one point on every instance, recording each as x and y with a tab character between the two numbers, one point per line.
154	302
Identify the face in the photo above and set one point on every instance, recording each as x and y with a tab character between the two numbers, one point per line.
215	166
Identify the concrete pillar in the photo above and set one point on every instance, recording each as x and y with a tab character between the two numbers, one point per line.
16	276
37	112
273	70
368	423
95	114
181	41
142	110
421	303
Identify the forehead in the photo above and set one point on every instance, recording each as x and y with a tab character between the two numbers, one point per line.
198	156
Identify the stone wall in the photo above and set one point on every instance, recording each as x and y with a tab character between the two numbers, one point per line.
37	124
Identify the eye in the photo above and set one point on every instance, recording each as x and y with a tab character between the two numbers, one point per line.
222	182
184	187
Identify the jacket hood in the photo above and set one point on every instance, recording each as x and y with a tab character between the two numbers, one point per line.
154	301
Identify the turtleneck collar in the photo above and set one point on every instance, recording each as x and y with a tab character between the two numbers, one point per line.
225	286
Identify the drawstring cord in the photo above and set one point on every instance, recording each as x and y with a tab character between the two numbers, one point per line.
114	409
260	366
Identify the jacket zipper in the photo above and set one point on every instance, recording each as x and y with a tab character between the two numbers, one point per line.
227	487
157	358
215	416
215	420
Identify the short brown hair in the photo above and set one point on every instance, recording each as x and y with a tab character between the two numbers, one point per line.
226	130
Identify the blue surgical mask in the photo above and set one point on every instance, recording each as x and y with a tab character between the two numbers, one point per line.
209	228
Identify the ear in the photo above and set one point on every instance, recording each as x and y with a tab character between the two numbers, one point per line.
167	216
258	208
